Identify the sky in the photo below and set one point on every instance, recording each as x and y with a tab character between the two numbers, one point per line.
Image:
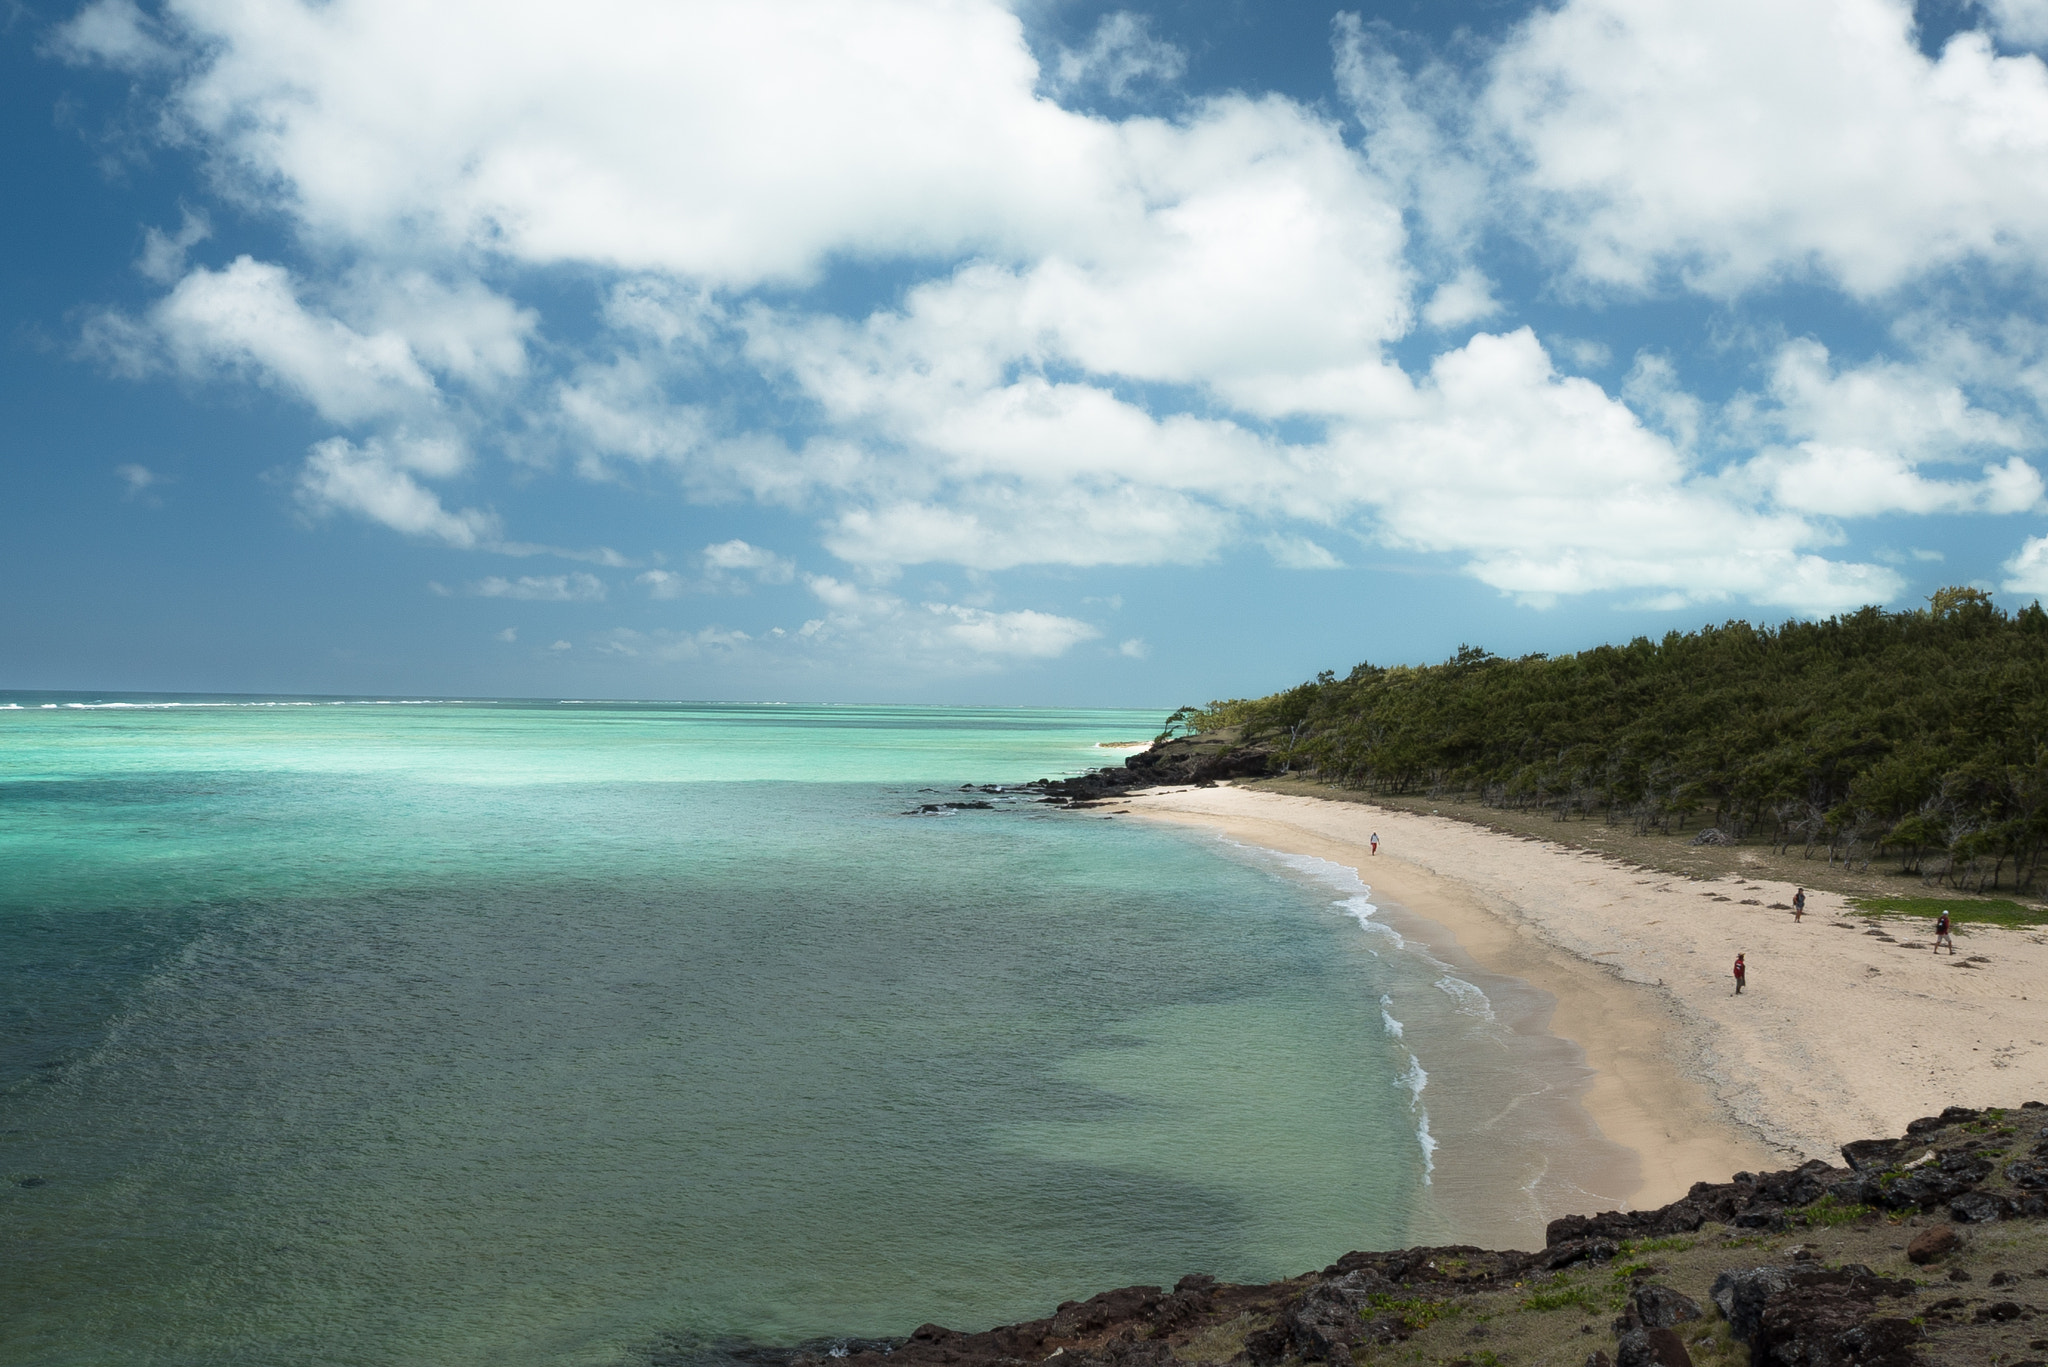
1037	353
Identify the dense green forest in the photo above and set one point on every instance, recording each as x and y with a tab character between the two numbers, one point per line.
1918	734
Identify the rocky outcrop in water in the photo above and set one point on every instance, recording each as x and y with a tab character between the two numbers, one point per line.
1869	1264
1190	760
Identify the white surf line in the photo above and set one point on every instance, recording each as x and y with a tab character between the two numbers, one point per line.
1357	903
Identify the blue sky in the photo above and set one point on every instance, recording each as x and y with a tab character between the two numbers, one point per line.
1031	353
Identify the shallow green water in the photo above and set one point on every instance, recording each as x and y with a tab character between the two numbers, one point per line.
561	1034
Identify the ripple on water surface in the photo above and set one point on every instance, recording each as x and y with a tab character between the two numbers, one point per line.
531	1034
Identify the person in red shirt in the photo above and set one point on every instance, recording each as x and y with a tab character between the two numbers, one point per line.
1741	975
1942	935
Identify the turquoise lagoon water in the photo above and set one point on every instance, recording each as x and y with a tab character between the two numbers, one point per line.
465	1033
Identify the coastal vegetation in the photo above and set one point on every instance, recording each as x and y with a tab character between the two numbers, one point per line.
1919	735
1991	911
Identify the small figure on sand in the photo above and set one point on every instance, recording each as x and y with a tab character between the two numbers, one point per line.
1798	904
1942	936
1741	975
1375	842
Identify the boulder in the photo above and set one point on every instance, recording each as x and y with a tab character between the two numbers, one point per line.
1832	1319
1579	1250
1953	1115
1660	1307
1742	1294
1933	1183
1978	1208
1651	1348
1076	1319
1934	1243
1745	1294
1874	1155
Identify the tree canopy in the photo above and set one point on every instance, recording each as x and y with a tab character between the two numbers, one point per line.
1920	730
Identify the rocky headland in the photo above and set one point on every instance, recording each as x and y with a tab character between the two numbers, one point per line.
1195	760
1929	1248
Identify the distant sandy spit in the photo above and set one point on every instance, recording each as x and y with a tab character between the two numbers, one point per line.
1839	1035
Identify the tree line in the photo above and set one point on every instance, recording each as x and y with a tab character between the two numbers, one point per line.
1921	734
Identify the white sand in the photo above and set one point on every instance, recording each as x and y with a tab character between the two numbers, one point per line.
1838	1036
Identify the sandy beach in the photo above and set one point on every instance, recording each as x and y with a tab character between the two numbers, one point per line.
1840	1034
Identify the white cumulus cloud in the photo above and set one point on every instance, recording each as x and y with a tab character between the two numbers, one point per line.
546	588
1736	143
1122	340
738	557
2023	23
2027	570
1122	53
377	480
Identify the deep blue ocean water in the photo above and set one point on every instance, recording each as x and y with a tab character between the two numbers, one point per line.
449	1033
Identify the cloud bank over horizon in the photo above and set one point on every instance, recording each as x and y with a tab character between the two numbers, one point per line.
961	295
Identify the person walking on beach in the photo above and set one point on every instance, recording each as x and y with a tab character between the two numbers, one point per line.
1741	975
1798	904
1942	936
1375	842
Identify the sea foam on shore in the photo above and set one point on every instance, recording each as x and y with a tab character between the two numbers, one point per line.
1494	1099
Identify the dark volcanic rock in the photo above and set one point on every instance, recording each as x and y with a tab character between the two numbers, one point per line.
1078	1319
1834	1334
1978	1208
1875	1155
1647	1330
1926	1184
1799	1314
1192	759
1742	1295
1660	1307
1750	1201
1814	1317
1954	1115
1651	1348
1579	1250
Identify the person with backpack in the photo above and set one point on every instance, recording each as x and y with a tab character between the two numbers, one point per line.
1741	975
1942	935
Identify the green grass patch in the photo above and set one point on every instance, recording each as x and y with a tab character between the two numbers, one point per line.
1415	1312
1562	1298
1676	1243
1989	911
1827	1212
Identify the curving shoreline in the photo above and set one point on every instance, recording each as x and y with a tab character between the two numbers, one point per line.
1846	1029
1513	1144
1643	1094
1812	1263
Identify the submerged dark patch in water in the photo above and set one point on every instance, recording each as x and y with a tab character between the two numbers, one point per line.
683	1351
